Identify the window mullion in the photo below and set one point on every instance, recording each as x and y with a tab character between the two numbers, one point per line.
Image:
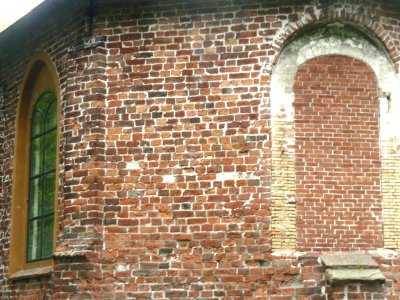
42	184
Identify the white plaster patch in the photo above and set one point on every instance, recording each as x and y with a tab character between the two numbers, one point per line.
290	199
390	112
383	105
134	165
122	268
234	176
227	176
288	253
385	253
284	253
168	179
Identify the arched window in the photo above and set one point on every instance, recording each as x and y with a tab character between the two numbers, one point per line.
35	169
42	177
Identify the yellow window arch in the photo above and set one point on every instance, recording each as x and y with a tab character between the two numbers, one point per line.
35	168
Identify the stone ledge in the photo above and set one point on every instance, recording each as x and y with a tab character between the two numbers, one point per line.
32	273
349	261
62	254
342	276
74	256
351	267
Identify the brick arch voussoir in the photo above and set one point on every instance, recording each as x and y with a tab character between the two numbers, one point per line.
367	24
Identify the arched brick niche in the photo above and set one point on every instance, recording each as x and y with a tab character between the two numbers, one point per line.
340	40
337	168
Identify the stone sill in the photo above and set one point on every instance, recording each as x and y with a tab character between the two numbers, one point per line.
32	273
350	267
71	254
382	253
344	276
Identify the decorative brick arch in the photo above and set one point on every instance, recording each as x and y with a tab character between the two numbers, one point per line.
338	40
362	22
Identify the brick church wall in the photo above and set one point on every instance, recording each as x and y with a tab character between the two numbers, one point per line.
166	153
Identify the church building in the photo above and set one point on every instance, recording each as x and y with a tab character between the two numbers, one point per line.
201	149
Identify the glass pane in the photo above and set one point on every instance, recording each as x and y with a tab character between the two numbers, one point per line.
49	193
36	156
42	178
34	240
47	237
35	198
50	151
51	117
37	123
43	102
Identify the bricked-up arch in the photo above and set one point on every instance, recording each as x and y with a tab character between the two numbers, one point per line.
331	39
337	167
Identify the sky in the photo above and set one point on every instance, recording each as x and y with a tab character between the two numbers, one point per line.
12	10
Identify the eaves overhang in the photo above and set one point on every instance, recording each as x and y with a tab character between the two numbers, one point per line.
48	13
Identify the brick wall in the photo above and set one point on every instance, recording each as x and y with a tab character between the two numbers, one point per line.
166	153
337	156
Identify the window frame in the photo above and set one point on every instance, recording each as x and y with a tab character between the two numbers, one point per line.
40	77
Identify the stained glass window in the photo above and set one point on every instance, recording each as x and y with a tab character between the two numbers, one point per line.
42	178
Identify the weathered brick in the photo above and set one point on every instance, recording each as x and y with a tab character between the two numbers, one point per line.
181	175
